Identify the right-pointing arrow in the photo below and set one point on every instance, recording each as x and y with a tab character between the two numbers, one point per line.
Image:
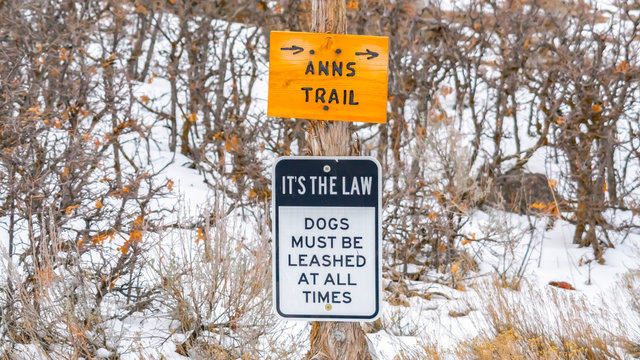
369	53
295	49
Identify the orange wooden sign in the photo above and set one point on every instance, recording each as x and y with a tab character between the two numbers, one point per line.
328	76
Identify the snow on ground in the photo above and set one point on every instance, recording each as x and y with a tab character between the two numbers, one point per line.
449	316
447	322
444	317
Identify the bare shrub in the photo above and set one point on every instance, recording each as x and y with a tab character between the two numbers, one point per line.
57	310
216	282
591	93
523	193
520	80
426	218
477	91
76	190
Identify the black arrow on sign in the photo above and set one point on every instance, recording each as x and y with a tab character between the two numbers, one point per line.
371	54
296	49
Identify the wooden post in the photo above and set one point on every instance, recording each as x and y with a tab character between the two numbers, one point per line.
333	340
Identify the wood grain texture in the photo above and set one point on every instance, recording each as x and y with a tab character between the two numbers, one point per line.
328	76
334	340
338	341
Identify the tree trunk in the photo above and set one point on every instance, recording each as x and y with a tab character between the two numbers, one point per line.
333	340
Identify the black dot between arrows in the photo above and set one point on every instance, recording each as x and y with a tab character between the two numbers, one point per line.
325	107
338	51
311	52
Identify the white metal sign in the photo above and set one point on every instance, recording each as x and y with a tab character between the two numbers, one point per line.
327	238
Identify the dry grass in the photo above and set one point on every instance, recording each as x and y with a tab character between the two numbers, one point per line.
544	324
216	283
630	289
512	345
52	312
550	324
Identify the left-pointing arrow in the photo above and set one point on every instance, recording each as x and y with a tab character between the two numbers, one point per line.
295	49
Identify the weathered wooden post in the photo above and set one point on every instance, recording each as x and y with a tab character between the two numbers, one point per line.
326	208
334	138
333	340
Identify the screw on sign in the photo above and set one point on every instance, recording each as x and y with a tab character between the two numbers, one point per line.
327	238
328	76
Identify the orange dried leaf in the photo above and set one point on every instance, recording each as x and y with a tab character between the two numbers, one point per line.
438	195
135	236
623	67
63	54
144	99
99	239
141	9
352	5
69	209
200	235
553	184
562	285
596	108
538	205
433	216
98	204
252	193
170	185
138	222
